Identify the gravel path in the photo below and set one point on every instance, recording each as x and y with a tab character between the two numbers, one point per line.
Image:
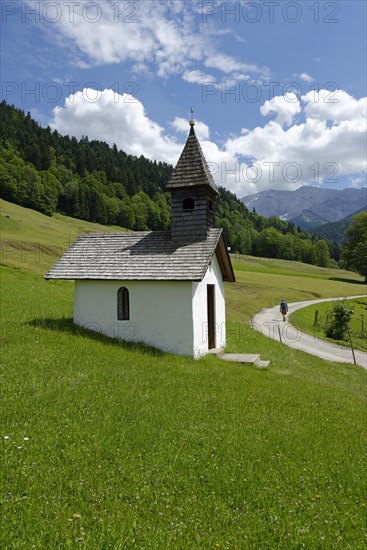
269	322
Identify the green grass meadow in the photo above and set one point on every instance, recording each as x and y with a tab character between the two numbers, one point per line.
108	445
304	320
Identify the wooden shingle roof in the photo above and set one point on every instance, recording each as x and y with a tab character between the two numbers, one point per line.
192	169
141	255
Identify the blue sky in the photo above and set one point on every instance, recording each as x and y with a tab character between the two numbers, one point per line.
278	88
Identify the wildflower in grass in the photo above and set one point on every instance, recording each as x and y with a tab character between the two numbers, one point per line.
26	438
77	515
6	437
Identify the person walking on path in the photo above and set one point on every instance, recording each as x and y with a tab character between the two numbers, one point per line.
283	308
268	319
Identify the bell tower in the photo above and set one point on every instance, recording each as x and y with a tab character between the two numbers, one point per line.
193	194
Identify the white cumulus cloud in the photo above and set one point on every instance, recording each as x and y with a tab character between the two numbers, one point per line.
281	154
285	107
329	143
333	105
114	118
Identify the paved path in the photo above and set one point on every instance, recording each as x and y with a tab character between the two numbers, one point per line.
269	322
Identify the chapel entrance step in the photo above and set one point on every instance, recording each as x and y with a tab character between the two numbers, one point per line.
252	358
244	358
263	364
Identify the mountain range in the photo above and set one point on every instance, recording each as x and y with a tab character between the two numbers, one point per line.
307	206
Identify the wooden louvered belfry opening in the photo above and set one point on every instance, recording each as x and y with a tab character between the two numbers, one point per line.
192	224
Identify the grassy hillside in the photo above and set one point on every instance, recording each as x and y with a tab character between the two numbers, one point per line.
110	445
34	241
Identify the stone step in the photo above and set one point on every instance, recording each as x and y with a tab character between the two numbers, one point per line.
245	358
263	364
249	358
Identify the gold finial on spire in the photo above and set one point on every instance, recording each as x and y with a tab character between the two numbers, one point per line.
192	121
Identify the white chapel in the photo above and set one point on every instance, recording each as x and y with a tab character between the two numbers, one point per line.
162	288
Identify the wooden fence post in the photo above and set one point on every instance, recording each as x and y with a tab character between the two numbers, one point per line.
316	317
351	345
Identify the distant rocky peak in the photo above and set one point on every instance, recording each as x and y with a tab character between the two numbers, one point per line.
308	206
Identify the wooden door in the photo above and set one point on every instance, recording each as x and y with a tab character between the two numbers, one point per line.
211	316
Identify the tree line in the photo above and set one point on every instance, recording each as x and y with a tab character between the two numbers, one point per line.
90	180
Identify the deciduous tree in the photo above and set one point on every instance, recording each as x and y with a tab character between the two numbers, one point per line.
355	250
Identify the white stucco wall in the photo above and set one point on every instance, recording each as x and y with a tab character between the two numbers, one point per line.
169	315
213	276
160	312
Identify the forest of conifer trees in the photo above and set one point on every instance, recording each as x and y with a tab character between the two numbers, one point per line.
42	170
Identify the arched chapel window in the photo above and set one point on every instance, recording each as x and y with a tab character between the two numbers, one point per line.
188	204
123	305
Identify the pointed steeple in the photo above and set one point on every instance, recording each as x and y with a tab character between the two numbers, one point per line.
192	170
193	193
